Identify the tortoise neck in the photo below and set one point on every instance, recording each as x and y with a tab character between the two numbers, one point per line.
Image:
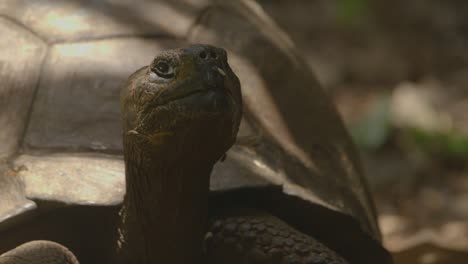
164	215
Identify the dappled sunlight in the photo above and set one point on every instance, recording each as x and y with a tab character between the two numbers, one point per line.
13	200
96	179
415	105
169	19
75	50
94	72
66	23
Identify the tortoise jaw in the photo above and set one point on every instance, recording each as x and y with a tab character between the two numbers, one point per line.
177	97
213	81
186	111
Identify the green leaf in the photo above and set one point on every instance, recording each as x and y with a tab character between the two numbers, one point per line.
445	144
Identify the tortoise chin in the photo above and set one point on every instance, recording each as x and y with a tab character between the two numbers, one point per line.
208	117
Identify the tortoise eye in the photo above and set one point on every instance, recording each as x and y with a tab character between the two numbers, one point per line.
164	70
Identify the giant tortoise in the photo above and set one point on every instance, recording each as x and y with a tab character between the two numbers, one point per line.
293	175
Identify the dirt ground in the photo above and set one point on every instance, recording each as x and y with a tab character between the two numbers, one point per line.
398	71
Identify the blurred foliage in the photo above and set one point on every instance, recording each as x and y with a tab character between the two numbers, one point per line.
352	12
450	145
373	130
376	126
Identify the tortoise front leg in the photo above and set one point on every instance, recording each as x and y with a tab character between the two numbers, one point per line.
258	237
39	252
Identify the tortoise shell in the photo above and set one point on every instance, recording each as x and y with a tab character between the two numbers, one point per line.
62	64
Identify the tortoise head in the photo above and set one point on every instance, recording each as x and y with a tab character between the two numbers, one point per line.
187	100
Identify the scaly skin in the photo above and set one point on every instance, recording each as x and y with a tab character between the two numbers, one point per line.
258	237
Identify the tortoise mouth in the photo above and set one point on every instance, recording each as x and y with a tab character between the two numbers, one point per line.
200	96
185	95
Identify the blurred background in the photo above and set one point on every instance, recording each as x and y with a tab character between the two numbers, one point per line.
398	72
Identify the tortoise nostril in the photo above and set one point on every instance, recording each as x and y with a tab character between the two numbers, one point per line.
203	55
213	55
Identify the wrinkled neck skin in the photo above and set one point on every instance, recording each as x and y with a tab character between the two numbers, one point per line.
163	217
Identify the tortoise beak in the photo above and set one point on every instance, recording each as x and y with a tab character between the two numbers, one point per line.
218	69
214	77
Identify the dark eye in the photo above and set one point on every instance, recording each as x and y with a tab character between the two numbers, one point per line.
164	70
